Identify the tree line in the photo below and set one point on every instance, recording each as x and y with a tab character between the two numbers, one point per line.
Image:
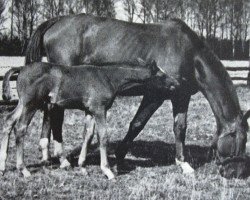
224	24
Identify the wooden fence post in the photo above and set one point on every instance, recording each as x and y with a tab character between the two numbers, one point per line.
248	76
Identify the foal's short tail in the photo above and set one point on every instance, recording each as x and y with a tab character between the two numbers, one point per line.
6	82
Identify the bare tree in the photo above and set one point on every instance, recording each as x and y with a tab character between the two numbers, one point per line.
130	8
52	8
2	17
103	8
24	17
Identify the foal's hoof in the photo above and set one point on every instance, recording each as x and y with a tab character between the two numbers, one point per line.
84	171
26	173
65	164
111	177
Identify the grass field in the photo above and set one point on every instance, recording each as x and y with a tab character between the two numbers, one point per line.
153	173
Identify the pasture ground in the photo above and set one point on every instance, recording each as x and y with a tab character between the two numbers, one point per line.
153	174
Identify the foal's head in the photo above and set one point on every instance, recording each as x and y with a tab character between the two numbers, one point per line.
159	79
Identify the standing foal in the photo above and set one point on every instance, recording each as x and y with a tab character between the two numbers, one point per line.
89	88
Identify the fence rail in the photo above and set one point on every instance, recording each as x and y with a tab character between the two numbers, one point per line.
234	69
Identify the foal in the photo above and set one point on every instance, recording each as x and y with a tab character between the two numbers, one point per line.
89	88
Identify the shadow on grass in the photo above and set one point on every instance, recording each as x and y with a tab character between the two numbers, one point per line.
141	154
146	154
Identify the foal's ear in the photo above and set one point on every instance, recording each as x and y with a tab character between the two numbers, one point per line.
154	67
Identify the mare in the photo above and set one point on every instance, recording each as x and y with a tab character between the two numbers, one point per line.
86	87
77	39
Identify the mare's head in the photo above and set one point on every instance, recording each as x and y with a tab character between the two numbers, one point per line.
231	150
159	79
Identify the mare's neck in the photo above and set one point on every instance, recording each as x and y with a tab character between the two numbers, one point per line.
218	88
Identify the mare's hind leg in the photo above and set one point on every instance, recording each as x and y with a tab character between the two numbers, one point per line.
101	130
20	131
45	136
87	137
9	123
146	110
57	116
180	107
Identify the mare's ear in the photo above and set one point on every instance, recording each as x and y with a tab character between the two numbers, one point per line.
245	117
141	62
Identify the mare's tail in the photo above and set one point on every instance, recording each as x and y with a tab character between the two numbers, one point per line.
6	82
35	46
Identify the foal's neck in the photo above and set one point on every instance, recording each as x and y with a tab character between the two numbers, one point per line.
126	75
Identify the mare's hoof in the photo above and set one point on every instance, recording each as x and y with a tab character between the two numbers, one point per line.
124	167
121	152
185	166
45	162
65	164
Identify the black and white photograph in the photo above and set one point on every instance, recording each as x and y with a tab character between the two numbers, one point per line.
125	99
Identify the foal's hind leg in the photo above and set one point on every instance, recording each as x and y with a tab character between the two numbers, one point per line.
20	131
101	130
87	137
9	123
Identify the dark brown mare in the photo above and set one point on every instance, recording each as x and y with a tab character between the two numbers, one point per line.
86	87
76	39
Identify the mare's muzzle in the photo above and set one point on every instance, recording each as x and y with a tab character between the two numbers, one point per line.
235	167
231	164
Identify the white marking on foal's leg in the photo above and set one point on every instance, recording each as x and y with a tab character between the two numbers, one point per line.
44	144
65	163
186	168
84	171
26	173
176	119
58	148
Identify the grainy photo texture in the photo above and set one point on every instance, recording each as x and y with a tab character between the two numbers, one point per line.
124	99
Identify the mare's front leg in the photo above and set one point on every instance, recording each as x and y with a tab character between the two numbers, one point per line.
9	123
180	107
147	108
101	130
20	131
